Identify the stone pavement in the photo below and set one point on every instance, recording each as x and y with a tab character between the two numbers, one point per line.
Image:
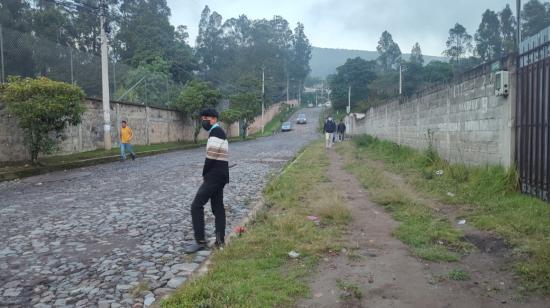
112	235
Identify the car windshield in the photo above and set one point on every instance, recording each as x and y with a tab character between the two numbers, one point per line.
302	116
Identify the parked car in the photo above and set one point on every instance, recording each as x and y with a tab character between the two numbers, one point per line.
310	105
286	127
301	119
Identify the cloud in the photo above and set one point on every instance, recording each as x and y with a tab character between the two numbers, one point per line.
355	24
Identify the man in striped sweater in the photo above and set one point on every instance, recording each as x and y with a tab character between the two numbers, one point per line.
215	176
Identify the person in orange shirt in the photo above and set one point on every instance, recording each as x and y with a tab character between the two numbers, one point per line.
126	136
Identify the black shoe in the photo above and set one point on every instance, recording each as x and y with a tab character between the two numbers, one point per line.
133	156
194	247
220	241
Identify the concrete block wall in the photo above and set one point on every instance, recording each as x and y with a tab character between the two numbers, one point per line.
469	123
150	125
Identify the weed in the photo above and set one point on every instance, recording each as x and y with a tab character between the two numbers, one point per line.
458	275
140	289
489	191
350	288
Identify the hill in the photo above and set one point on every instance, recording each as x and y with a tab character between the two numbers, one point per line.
324	61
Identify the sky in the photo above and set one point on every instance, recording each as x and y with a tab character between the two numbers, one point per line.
353	24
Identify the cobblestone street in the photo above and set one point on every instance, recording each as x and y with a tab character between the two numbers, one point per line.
95	236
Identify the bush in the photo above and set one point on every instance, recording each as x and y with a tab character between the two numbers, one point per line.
44	108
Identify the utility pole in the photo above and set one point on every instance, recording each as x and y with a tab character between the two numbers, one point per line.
349	99
300	93
287	84
316	103
72	67
518	14
105	77
400	79
263	98
2	52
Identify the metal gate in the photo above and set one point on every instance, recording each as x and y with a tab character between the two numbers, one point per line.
532	115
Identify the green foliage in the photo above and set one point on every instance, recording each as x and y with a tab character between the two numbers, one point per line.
230	116
459	275
416	55
488	37
254	270
43	107
152	82
195	96
356	73
438	71
535	16
459	43
389	52
508	30
493	203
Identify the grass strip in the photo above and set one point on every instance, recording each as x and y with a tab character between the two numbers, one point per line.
487	196
255	270
431	237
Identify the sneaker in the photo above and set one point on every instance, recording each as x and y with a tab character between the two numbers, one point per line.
194	247
133	156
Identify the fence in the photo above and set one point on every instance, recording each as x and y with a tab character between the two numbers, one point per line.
27	55
532	110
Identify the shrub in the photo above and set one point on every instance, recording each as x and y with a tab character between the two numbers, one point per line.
44	108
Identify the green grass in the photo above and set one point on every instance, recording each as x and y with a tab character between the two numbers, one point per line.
488	197
430	237
458	275
255	270
350	288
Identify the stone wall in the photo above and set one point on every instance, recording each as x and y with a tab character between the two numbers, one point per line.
468	122
150	125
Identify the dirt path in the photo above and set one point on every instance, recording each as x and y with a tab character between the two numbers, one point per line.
377	270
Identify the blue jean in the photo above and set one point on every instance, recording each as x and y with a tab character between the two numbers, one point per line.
125	147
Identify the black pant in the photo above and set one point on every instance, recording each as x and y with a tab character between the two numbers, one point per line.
213	191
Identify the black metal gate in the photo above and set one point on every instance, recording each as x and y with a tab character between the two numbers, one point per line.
532	116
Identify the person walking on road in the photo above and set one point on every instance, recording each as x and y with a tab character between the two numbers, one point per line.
215	176
126	135
330	128
341	131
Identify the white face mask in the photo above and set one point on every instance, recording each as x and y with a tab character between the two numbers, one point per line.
330	119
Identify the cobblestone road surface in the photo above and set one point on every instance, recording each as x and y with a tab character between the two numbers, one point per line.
93	237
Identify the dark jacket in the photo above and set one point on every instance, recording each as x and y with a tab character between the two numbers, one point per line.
341	127
216	166
330	127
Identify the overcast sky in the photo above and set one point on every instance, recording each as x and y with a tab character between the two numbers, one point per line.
353	24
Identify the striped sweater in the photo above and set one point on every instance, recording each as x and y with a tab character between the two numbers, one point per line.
216	166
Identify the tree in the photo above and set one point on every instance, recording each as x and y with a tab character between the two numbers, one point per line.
416	55
43	107
301	49
458	44
389	52
208	44
230	116
437	71
534	17
508	29
487	37
357	73
195	96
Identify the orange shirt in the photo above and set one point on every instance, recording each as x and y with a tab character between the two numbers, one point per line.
126	134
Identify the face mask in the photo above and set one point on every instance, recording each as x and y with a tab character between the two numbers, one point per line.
330	119
206	124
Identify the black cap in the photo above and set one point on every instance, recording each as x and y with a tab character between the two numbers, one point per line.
209	112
